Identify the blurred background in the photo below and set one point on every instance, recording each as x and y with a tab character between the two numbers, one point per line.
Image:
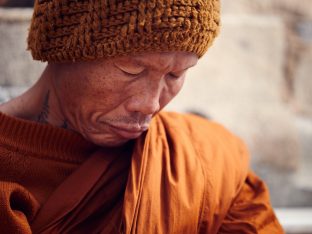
256	80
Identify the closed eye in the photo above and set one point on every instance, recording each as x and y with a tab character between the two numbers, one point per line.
177	75
174	75
130	71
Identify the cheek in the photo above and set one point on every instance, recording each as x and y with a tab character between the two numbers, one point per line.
90	90
171	90
67	93
94	101
178	86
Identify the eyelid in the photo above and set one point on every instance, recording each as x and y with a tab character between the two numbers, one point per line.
178	74
128	72
174	75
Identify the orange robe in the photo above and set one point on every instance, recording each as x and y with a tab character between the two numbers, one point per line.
185	175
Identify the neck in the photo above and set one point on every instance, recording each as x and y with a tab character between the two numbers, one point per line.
38	104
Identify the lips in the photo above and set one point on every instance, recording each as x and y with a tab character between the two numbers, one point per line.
128	132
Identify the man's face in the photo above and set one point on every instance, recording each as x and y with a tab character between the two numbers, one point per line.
112	101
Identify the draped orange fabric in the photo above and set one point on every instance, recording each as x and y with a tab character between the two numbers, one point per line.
185	175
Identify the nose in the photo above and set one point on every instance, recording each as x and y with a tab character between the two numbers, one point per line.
146	100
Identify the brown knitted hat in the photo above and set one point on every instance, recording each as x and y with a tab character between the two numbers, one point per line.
71	30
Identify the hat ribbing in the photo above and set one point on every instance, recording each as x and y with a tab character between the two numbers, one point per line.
71	30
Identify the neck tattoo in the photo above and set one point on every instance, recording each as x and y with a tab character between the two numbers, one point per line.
65	125
44	114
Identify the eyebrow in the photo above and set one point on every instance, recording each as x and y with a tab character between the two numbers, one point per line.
142	62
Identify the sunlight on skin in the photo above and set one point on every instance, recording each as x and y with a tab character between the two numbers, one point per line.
112	101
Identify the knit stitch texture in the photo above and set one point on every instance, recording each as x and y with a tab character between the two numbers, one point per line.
76	30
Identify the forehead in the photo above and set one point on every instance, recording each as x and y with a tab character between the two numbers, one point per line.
160	60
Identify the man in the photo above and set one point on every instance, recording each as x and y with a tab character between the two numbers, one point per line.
85	150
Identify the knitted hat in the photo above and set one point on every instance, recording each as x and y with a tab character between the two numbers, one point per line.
72	30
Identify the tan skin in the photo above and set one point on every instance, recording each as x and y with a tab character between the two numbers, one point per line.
108	101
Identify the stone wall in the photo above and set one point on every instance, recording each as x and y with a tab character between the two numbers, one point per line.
18	70
255	80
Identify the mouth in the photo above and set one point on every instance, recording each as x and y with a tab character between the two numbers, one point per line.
128	132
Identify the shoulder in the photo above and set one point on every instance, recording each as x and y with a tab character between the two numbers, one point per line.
194	124
222	158
206	135
223	155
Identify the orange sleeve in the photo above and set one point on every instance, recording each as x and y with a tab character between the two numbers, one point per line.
251	211
17	208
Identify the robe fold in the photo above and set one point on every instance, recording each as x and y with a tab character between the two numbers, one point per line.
184	175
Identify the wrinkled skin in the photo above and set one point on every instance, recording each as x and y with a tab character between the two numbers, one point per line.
108	101
123	93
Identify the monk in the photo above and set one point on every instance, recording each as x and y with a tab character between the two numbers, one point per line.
87	149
